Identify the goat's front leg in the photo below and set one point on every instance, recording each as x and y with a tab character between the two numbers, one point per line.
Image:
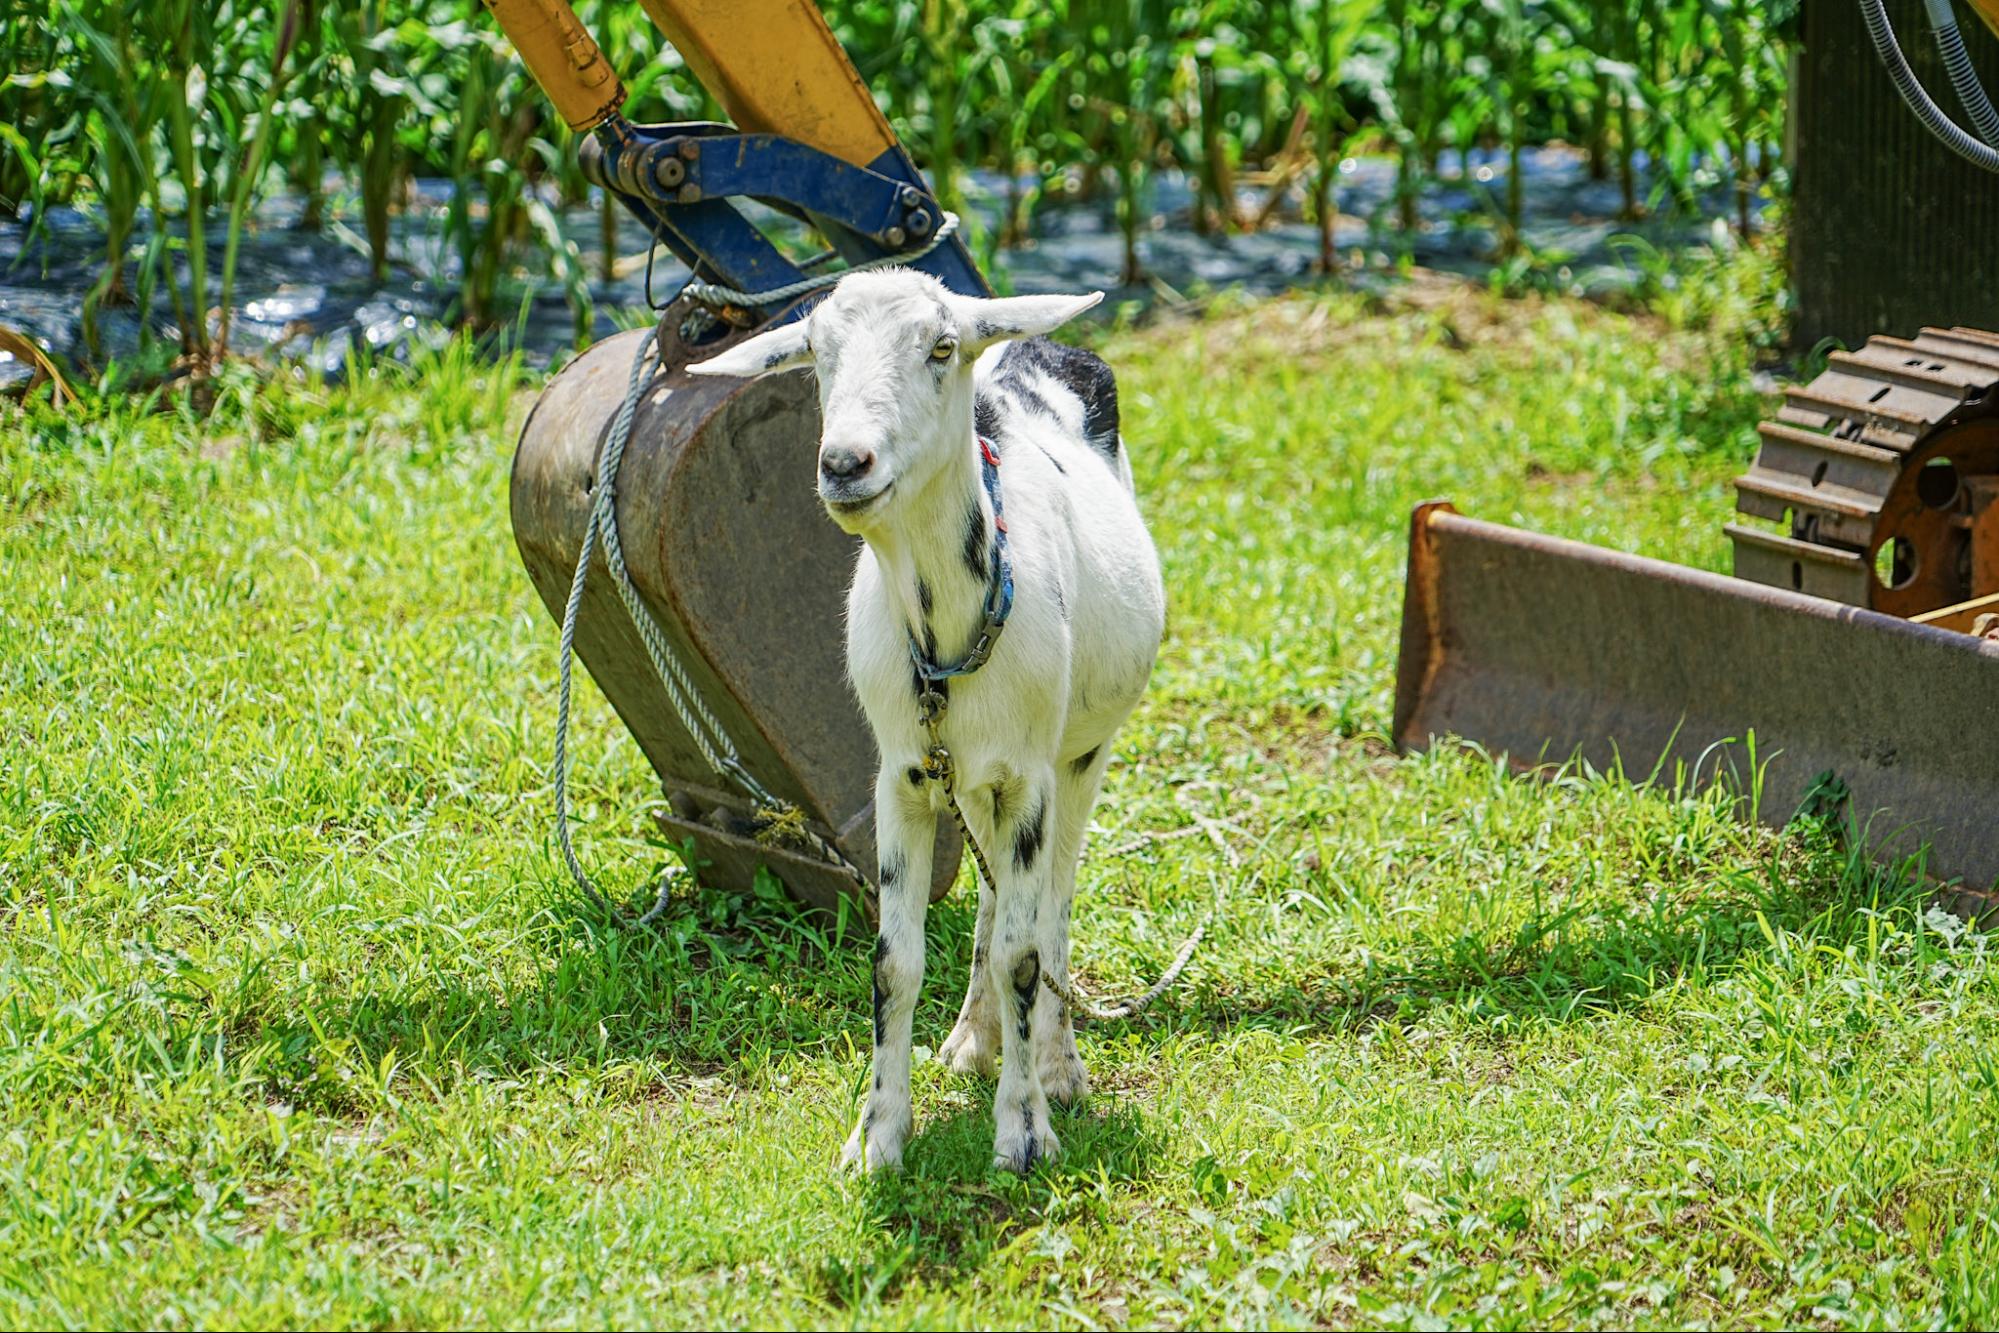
1021	859
905	830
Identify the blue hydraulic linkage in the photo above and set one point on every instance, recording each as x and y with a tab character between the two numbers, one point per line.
680	179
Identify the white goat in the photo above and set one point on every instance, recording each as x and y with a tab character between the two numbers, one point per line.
915	385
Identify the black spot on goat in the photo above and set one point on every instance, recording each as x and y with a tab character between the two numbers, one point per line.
881	989
977	560
1028	836
1081	372
1026	977
985	416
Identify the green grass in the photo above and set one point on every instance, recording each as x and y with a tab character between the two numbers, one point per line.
300	1023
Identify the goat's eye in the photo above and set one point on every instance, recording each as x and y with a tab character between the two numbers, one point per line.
945	348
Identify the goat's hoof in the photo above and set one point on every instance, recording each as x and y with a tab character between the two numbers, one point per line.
1064	1079
1019	1152
970	1051
871	1152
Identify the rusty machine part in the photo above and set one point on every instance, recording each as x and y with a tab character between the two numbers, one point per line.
1859	638
722	533
1544	650
1884	472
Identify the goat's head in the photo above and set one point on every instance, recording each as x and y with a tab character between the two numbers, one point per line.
893	349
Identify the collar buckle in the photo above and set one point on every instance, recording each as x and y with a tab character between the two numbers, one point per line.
930	704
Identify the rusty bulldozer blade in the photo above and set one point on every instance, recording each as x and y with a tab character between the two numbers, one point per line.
1545	649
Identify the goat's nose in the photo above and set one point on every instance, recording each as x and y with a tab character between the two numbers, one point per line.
844	463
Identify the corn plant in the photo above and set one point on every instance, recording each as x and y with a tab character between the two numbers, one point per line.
38	109
301	123
182	34
163	118
382	68
497	136
1023	71
1740	112
1417	84
1121	85
247	168
1332	29
119	108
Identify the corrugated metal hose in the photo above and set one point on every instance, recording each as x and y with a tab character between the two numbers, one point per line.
1963	78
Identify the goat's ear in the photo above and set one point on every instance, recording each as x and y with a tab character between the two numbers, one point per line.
781	348
995	320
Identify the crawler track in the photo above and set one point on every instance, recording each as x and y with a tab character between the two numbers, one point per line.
1882	475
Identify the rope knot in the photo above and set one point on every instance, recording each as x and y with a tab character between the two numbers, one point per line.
780	825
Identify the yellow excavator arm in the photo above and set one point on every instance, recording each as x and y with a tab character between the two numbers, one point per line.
776	68
564	59
774	65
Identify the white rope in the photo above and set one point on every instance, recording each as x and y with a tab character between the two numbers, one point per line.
702	727
1132	1008
714	294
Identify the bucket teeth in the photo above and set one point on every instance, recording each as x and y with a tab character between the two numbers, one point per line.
1839	453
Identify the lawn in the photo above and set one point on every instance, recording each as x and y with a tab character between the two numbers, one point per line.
300	1022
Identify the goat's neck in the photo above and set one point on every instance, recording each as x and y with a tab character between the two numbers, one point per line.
926	556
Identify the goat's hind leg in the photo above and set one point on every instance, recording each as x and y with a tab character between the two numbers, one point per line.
1063	1077
905	832
974	1044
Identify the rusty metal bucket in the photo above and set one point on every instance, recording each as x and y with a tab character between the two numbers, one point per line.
747	578
1544	650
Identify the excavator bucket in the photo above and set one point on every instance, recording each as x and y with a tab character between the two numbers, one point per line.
1545	650
744	575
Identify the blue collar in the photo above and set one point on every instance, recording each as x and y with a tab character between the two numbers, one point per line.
999	587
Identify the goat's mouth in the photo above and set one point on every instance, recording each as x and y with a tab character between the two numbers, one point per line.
845	505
